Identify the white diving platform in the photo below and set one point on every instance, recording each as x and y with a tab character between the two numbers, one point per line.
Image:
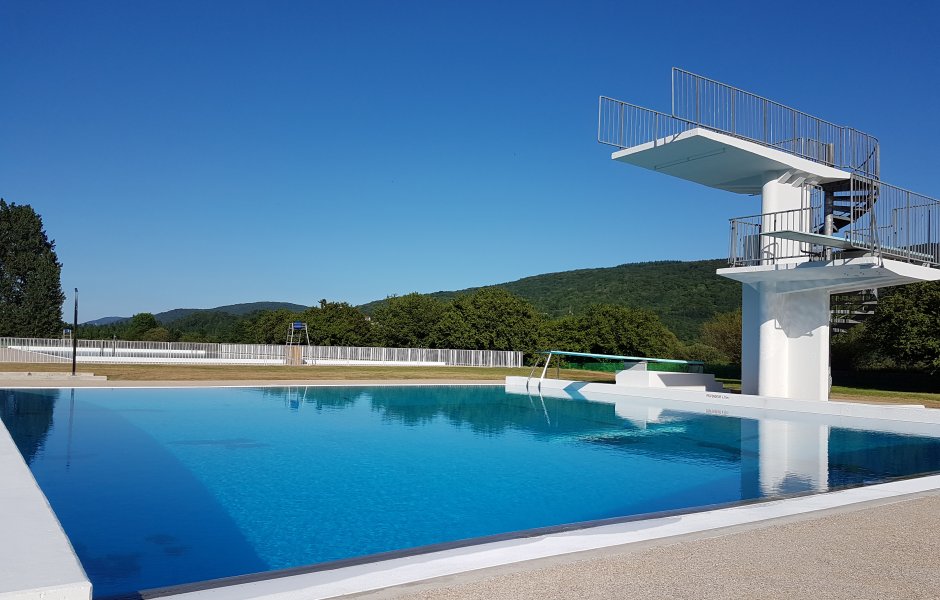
724	162
837	276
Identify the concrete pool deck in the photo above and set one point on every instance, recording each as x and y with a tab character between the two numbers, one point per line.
861	552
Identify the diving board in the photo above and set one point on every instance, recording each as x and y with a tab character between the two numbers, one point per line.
844	244
673	361
812	238
636	375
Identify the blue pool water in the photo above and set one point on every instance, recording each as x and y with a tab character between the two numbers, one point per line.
158	487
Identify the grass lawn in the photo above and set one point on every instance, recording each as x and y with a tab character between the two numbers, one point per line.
859	394
278	373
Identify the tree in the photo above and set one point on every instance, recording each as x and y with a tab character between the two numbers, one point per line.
270	326
906	325
30	289
568	333
628	331
140	324
724	333
337	324
407	321
157	334
489	319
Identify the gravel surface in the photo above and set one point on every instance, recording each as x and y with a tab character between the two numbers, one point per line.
891	551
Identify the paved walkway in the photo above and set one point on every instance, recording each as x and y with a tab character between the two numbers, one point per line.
883	552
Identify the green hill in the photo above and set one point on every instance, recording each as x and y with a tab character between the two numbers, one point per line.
684	294
231	309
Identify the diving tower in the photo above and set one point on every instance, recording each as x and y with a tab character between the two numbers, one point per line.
827	224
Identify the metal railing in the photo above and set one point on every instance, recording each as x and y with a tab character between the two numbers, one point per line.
748	247
625	125
901	224
876	217
701	102
322	355
734	111
39	350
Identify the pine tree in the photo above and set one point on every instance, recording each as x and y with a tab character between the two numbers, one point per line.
30	290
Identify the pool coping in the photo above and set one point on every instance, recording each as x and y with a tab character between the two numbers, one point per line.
37	557
403	567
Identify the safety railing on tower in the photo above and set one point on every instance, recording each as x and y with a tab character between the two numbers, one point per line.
626	125
749	247
867	216
701	102
899	224
734	111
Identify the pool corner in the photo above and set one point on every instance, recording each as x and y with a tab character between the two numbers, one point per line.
38	560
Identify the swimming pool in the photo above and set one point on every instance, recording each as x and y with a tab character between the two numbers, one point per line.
157	487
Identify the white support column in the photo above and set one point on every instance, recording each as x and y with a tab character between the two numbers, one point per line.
773	369
778	195
785	335
805	321
785	342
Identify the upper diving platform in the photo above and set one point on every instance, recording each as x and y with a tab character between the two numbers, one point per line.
725	162
713	120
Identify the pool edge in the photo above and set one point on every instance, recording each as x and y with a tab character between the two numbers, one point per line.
378	572
37	556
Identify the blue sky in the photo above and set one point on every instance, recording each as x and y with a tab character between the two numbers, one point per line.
193	154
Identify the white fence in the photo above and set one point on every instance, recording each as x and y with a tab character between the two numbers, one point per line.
36	350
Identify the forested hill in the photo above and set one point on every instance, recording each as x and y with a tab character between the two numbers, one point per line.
232	309
238	310
684	294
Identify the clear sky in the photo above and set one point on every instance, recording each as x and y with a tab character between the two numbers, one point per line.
193	154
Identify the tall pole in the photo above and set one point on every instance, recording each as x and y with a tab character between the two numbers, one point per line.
75	333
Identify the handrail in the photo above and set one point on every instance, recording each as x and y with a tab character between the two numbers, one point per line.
716	82
731	110
635	359
674	361
885	220
702	102
625	125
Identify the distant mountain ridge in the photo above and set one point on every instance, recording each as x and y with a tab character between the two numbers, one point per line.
685	294
175	314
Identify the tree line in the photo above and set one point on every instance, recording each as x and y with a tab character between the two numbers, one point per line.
485	319
903	333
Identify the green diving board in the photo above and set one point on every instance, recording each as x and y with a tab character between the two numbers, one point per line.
673	361
627	359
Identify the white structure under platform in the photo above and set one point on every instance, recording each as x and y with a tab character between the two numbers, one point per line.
638	376
827	223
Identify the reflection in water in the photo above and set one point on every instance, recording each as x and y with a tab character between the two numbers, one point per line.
27	415
318	397
136	516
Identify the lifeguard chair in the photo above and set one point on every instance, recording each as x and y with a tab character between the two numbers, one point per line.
297	337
